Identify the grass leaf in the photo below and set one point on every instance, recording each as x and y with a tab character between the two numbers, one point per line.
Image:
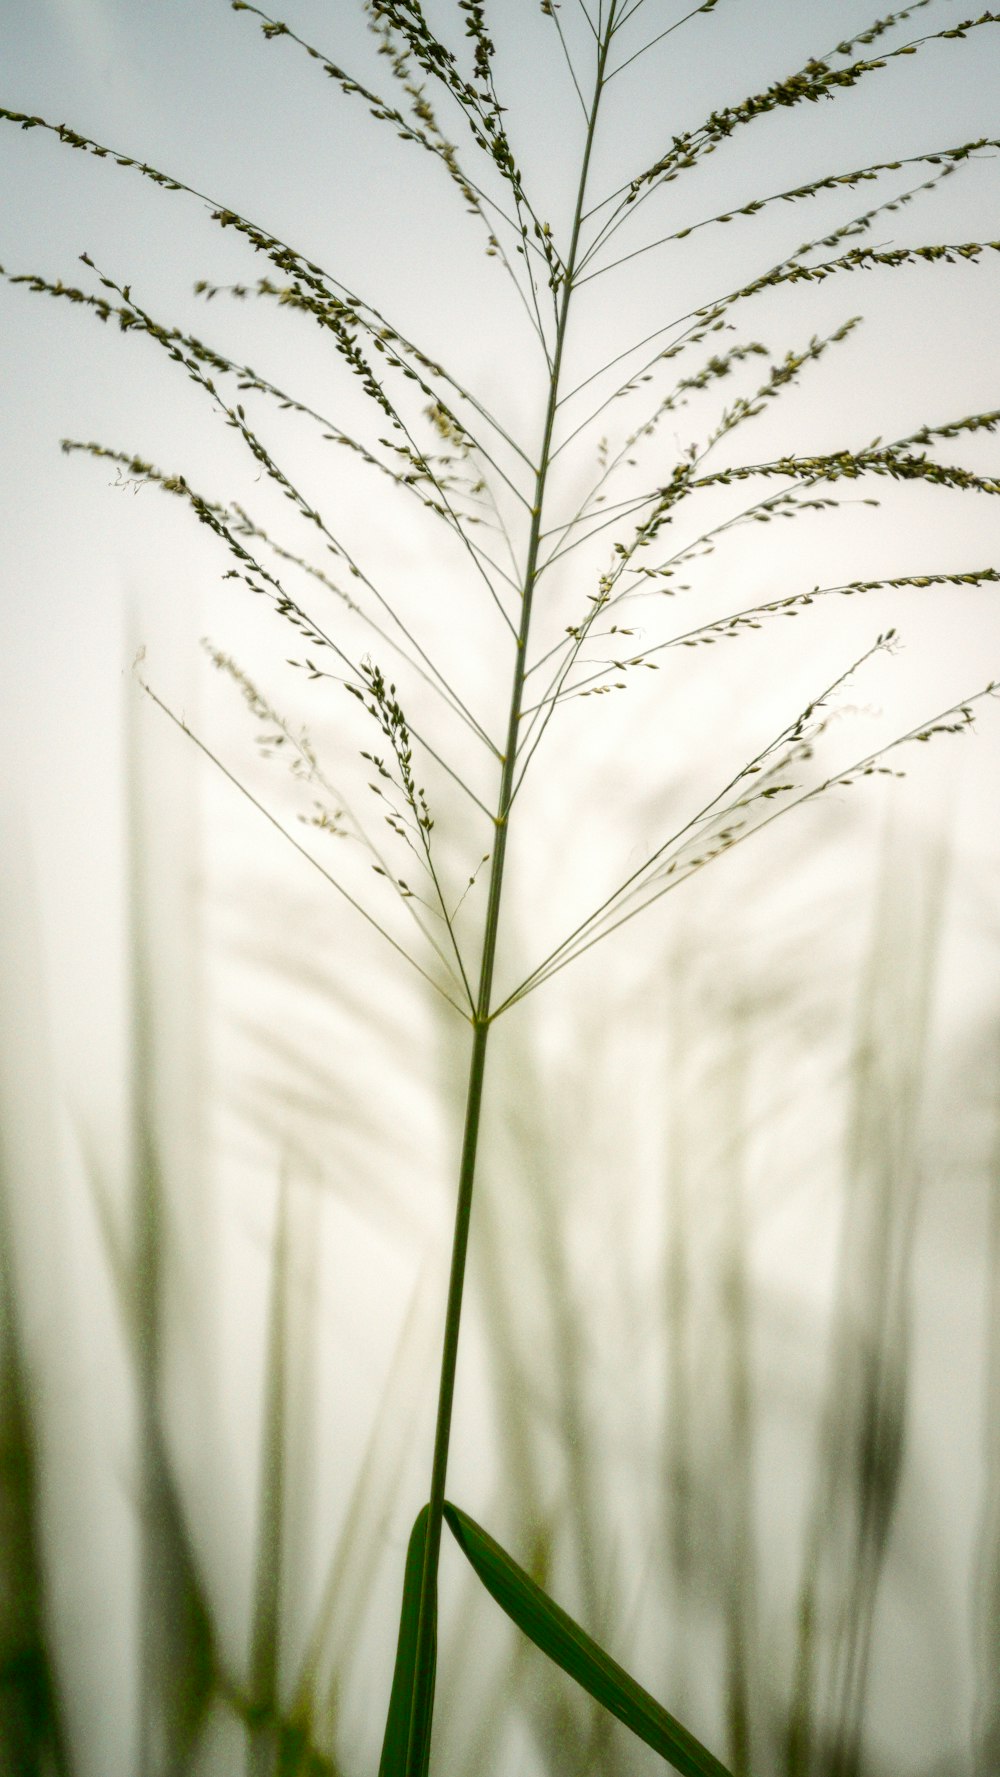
411	1701
570	1647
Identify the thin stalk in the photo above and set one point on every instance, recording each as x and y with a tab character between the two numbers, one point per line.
482	1017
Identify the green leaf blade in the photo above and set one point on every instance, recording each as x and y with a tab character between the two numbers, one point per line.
411	1700
564	1642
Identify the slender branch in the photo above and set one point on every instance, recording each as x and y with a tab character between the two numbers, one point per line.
568	60
286	258
789	271
238	421
956	718
583	8
425	133
953	156
751	617
815	80
644	48
630	884
179	722
306	769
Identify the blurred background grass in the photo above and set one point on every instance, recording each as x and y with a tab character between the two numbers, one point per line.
730	1387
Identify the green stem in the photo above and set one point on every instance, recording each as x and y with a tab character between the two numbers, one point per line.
426	1624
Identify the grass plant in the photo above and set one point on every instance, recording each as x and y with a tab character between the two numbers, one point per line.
444	750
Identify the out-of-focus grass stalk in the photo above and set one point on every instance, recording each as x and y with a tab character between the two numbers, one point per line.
863	1432
678	1452
738	1485
709	1421
540	1168
177	1652
32	1735
265	1634
986	1581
